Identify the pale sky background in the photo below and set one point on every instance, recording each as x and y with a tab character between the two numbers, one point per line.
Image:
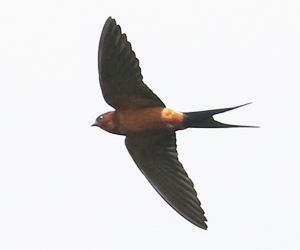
65	185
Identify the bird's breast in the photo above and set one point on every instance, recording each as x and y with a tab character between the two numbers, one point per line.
148	120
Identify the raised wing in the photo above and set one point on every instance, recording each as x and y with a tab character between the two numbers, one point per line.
156	157
119	72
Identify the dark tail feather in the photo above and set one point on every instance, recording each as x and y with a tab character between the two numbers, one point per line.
204	119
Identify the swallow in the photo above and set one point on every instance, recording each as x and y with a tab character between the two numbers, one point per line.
148	125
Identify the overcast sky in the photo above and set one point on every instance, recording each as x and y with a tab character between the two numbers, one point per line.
65	185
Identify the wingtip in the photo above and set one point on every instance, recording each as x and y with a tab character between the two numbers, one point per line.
200	224
108	22
109	18
203	226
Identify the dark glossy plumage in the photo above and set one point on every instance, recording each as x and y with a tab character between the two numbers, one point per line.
119	72
158	161
156	156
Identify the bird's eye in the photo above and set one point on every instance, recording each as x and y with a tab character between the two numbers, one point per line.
100	117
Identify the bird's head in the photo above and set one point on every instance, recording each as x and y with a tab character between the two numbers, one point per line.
105	121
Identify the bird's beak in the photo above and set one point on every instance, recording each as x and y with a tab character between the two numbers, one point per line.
94	124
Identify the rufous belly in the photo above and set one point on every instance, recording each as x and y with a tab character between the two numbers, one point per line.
148	120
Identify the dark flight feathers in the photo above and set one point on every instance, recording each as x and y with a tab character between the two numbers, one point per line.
155	155
157	159
119	72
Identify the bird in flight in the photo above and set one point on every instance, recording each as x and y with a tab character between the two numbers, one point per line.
148	125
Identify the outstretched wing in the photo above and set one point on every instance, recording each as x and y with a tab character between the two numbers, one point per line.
119	72
156	157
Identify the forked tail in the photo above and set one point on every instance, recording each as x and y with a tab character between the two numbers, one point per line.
204	119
